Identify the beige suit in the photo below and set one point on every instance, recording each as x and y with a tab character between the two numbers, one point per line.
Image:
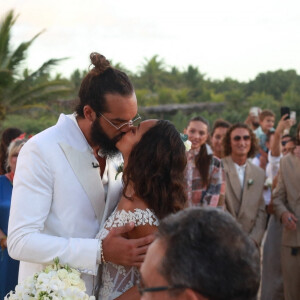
287	198
246	204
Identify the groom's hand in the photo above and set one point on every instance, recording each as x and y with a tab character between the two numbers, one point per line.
123	251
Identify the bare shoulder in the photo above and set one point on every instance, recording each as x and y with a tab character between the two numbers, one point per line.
145	220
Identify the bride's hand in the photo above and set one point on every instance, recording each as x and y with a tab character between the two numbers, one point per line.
123	251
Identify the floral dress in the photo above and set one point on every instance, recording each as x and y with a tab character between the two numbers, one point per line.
117	279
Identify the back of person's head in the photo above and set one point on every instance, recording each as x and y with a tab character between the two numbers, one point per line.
156	169
219	123
101	80
265	113
206	251
227	139
7	136
14	148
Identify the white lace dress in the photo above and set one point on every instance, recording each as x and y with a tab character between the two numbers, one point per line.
117	279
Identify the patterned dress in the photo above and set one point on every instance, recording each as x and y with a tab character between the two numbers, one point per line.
117	279
199	195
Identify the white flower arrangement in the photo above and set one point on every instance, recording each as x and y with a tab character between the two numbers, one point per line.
55	282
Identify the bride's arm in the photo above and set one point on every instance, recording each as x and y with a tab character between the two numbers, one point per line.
131	294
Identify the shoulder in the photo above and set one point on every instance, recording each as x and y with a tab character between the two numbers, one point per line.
256	169
226	161
289	161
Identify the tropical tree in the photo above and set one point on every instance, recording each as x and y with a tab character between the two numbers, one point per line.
20	88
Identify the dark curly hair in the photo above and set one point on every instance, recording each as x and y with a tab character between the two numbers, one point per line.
203	159
102	79
156	169
227	141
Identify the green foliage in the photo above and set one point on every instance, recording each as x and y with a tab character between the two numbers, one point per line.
32	124
21	89
32	100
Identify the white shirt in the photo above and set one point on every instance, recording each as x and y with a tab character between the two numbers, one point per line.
241	172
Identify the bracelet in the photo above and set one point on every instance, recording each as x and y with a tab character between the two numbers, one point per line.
102	256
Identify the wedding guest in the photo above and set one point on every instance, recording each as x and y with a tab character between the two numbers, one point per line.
204	173
153	189
65	185
253	118
298	133
9	267
266	122
219	130
200	253
7	136
244	181
272	283
286	203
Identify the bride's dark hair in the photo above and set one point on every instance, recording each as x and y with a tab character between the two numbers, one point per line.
156	169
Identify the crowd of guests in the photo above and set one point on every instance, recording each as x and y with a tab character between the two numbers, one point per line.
224	190
256	167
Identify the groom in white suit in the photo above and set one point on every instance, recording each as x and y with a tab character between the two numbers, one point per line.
63	190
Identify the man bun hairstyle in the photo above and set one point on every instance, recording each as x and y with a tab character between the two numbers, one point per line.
101	80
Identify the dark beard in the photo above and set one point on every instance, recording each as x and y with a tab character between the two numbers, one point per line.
100	138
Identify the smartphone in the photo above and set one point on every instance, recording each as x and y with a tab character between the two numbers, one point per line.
285	110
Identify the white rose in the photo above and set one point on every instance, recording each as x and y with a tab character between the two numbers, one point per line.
74	278
62	273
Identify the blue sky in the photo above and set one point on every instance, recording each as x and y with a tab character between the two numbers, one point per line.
232	38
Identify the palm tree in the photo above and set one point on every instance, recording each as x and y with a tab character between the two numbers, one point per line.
21	89
152	73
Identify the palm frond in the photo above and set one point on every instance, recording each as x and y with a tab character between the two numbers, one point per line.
5	30
5	77
14	109
39	92
18	56
46	66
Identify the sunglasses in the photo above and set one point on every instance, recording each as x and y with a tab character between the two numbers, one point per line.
237	138
283	143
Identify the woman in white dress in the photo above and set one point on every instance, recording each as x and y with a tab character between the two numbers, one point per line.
154	163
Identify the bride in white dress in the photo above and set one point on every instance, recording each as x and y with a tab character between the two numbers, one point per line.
154	162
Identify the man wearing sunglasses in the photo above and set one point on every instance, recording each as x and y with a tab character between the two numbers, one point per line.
200	254
65	184
244	181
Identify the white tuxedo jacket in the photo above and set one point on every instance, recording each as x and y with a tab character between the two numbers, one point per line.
58	202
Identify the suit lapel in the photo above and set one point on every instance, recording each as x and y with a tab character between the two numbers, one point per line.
247	188
89	179
234	179
295	170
